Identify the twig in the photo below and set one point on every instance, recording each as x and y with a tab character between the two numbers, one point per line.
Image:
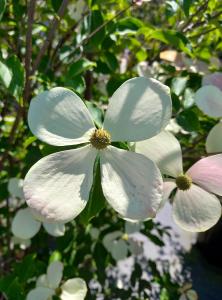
203	33
68	35
94	32
28	53
197	24
8	226
11	135
185	26
54	25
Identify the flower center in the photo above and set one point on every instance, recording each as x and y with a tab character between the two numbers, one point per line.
183	182
100	139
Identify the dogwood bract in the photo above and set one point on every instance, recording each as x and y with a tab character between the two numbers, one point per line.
209	99
58	186
48	285
195	207
119	243
24	224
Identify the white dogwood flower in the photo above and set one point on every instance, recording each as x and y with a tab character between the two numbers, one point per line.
15	189
119	243
48	285
195	207
26	226
209	99
58	186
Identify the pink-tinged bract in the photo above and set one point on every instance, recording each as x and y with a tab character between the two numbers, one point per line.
207	173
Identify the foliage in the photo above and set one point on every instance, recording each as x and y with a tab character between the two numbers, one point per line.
92	49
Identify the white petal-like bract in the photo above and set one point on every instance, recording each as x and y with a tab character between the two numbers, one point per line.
74	289
207	173
213	79
168	187
42	281
195	209
131	183
55	229
59	117
110	238
40	293
119	249
209	99
139	109
24	225
58	185
54	274
164	149
214	139
15	187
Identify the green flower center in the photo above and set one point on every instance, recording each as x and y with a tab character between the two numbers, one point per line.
183	182
100	139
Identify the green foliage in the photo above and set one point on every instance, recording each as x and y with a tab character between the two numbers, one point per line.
97	200
2	7
93	51
186	6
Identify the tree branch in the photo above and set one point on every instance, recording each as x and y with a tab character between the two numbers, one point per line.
186	25
28	53
67	35
84	41
54	25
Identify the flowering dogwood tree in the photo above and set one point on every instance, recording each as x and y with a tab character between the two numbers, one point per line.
110	123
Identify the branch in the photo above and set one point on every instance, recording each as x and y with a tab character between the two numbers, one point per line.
54	25
203	32
11	136
200	23
67	35
28	53
186	25
94	32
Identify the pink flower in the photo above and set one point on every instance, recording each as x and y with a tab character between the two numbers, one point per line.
209	99
140	2
195	206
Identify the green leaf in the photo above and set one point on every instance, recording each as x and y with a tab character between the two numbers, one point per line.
11	287
179	84
188	120
56	4
96	200
55	256
79	67
114	83
77	84
29	141
173	38
5	74
96	113
2	7
186	7
176	102
12	75
18	73
129	24
3	190
28	267
95	21
111	61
